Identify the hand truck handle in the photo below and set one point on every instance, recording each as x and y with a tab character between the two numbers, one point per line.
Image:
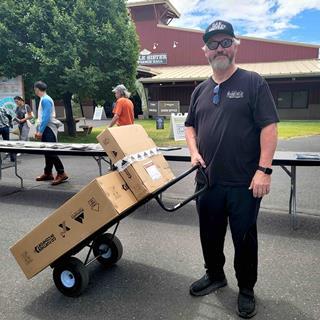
192	197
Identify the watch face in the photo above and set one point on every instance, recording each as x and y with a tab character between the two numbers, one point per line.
268	171
265	170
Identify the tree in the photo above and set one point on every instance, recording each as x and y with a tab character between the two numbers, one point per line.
82	47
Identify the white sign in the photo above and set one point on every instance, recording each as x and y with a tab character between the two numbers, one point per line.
99	113
177	126
155	58
153	171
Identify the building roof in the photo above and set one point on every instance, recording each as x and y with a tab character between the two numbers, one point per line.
167	3
146	70
282	69
300	44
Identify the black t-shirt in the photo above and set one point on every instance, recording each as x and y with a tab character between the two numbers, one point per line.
228	134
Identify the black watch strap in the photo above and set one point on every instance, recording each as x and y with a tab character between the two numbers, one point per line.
265	170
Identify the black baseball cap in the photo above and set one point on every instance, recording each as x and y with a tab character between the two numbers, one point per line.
218	26
18	98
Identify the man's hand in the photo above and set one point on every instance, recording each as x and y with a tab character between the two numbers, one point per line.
38	135
197	159
260	184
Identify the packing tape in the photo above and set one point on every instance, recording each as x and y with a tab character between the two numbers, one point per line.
125	162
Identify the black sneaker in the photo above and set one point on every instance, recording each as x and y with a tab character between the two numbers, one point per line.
205	285
246	304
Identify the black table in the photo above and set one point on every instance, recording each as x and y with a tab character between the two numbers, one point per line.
66	149
281	158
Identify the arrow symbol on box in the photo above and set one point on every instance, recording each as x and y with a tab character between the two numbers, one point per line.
96	207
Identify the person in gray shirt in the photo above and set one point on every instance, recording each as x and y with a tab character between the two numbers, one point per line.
23	113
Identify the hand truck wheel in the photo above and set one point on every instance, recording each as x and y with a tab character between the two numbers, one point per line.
71	277
108	249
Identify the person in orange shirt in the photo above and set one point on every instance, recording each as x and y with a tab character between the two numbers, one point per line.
123	113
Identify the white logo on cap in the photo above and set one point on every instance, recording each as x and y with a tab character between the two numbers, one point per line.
217	26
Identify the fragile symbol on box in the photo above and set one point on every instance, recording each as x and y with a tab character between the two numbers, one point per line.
64	228
94	205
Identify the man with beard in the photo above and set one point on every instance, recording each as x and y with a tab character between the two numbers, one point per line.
231	131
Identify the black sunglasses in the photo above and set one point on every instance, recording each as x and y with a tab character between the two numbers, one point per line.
224	43
216	95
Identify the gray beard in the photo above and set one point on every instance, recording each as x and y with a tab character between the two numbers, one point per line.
220	65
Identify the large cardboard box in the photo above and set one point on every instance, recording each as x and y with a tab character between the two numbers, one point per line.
137	159
94	206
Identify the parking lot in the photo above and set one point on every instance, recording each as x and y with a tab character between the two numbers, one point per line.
162	254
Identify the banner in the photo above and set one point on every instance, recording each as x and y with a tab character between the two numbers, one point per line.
9	104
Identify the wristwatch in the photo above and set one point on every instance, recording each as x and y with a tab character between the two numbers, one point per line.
265	170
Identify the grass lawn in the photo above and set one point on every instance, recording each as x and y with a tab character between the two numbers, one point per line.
292	129
287	130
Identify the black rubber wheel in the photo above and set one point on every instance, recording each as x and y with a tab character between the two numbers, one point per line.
108	249
71	277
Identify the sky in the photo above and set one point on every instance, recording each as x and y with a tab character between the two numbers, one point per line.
287	20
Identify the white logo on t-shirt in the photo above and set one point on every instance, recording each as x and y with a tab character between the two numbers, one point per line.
235	94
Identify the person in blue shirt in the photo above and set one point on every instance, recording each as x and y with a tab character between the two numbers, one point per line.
47	131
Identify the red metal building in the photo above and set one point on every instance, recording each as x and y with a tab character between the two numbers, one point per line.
292	69
183	46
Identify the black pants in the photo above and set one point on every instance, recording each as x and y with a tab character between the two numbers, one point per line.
214	207
51	160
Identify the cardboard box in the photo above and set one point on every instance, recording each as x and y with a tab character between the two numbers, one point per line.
94	206
135	154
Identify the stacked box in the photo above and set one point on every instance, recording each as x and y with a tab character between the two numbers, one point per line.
137	159
94	206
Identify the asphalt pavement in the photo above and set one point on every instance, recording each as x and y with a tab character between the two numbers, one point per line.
162	253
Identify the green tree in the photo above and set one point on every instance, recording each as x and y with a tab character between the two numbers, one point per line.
82	47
